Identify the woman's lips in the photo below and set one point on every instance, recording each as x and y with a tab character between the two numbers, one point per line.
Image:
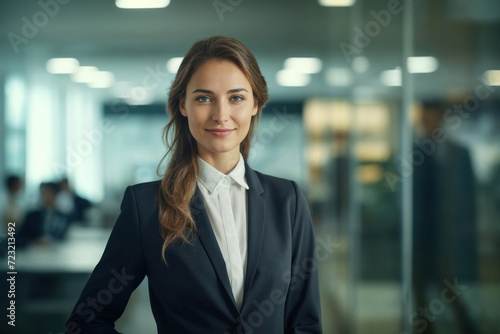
220	132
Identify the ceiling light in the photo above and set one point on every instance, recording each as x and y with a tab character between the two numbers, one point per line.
290	78
62	65
303	64
391	77
340	77
360	64
84	74
336	3
422	64
492	77
102	79
173	64
137	4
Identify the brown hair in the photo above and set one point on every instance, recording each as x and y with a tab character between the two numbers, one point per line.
179	182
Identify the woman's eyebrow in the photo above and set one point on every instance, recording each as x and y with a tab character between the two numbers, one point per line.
231	91
237	90
206	91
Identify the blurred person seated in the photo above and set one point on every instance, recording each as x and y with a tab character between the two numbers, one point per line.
71	204
46	224
13	207
444	216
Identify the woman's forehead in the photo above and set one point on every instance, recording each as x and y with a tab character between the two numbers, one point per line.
219	74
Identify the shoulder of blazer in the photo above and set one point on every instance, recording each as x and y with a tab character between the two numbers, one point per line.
273	181
263	181
278	189
146	193
146	187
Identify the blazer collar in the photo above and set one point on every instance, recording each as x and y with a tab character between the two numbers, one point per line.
256	225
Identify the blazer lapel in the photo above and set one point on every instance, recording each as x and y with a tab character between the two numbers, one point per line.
256	225
209	242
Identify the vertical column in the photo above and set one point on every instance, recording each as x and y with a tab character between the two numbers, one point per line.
353	219
2	147
42	140
85	134
406	139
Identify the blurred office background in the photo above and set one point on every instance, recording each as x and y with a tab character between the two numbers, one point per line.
386	112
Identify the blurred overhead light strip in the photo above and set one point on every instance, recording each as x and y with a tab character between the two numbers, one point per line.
360	64
422	64
289	78
101	79
62	65
306	65
85	74
336	3
492	77
139	4
391	77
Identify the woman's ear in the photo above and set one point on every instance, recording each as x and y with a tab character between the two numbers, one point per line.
255	108
182	107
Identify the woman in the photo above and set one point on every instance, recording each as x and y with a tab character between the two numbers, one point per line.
226	249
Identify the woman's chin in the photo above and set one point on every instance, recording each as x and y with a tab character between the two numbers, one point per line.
221	149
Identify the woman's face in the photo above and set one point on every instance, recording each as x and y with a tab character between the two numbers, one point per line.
219	105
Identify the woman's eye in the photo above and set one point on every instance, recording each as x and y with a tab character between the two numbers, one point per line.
237	98
203	99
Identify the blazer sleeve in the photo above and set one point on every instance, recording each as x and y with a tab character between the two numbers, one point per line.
120	270
302	308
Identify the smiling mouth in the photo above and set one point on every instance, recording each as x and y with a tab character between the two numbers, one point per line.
220	132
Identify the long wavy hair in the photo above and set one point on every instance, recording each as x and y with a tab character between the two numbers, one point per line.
179	181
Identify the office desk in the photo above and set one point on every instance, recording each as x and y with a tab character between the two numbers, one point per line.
50	278
78	253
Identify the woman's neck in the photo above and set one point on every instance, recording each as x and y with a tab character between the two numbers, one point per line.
223	162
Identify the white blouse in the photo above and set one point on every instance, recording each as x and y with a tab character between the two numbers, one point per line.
225	199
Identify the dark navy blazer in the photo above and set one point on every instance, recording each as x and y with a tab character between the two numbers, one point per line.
192	293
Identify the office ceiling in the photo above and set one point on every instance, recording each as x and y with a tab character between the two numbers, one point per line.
461	34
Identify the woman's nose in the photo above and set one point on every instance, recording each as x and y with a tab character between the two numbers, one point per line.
220	112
